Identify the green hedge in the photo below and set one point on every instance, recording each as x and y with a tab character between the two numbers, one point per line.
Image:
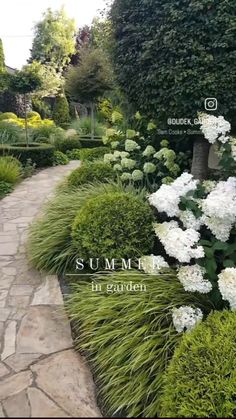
89	143
67	144
201	379
40	154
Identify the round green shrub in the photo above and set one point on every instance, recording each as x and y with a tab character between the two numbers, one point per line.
90	154
40	154
10	170
91	172
129	336
33	114
60	158
201	379
50	245
114	225
7	115
67	144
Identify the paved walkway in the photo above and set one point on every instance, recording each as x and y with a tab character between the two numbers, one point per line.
40	373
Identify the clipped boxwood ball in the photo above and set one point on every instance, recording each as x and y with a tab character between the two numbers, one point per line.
115	225
90	172
201	379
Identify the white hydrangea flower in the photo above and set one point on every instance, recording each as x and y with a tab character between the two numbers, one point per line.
214	128
128	163
179	244
167	197
227	286
114	144
219	209
149	151
120	154
192	279
123	154
209	185
189	220
149	168
131	145
109	158
117	167
153	264
137	175
125	176
220	228
186	318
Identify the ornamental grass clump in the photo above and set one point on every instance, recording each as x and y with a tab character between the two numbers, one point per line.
114	225
50	245
201	379
128	336
10	170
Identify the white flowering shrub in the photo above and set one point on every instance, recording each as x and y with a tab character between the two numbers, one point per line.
199	230
132	153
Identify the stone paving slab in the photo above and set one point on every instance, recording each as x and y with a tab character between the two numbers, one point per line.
40	373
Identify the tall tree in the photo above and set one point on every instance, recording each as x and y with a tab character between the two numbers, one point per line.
24	82
171	55
3	73
82	40
54	41
2	57
89	80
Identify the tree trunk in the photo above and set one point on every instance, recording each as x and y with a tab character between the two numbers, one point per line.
92	121
201	150
26	122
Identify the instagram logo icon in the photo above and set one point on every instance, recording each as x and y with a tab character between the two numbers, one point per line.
211	104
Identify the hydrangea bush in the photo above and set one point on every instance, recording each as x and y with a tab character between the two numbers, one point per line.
138	162
197	235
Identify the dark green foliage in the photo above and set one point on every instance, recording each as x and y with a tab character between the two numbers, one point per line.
171	55
5	188
60	158
91	78
67	144
129	337
61	114
89	143
90	154
201	378
40	106
73	154
40	154
91	172
25	81
50	246
115	225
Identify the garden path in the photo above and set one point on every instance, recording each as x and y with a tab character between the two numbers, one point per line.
40	373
